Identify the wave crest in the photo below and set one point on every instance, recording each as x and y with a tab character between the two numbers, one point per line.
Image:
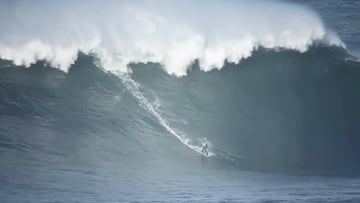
171	33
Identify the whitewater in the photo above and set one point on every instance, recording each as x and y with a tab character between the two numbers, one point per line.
174	34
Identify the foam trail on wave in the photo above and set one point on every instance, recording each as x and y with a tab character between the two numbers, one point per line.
134	89
172	33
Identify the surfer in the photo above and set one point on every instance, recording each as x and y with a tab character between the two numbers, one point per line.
204	148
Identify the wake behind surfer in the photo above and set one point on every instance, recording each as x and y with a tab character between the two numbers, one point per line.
204	148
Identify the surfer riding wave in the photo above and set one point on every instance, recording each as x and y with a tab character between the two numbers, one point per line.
204	148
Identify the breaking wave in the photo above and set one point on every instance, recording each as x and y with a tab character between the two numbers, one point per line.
172	33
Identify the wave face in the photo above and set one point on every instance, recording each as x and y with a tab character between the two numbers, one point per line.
171	33
276	111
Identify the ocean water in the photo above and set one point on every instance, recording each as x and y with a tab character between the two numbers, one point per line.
109	101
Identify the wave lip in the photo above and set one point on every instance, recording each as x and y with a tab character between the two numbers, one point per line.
171	33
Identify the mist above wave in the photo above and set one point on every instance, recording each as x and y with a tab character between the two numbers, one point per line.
171	33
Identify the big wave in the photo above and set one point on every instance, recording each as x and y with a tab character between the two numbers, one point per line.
171	33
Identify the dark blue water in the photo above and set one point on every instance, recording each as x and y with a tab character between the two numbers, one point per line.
282	126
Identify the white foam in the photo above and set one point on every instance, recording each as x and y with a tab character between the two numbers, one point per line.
172	33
